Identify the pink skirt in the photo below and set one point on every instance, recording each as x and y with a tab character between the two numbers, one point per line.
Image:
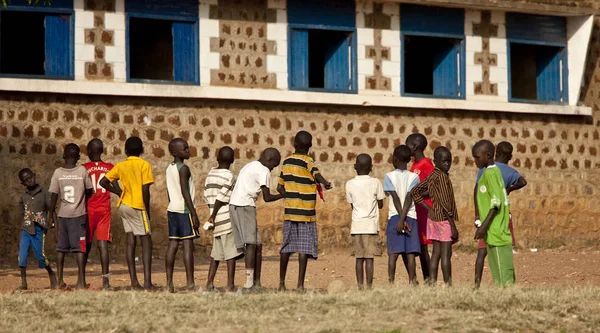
439	231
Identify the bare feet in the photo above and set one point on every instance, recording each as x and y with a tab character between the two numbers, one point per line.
136	286
170	288
282	287
151	287
53	282
21	287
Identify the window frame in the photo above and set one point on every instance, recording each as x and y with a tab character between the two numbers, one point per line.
54	11
173	18
353	62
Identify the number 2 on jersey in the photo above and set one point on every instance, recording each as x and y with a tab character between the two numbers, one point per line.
96	182
69	194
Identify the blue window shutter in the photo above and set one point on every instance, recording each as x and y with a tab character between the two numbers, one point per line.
184	52
548	74
299	58
337	71
58	60
536	28
445	71
432	20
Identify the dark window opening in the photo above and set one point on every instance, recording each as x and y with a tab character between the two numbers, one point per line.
535	72
328	59
151	49
22	43
431	66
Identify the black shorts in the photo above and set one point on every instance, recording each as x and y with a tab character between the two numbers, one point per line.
181	226
72	234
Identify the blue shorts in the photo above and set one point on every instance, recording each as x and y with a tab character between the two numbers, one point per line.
37	243
403	242
181	226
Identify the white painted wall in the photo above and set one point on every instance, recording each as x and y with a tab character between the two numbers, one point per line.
579	32
278	32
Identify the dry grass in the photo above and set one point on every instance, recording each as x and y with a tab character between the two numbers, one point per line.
400	309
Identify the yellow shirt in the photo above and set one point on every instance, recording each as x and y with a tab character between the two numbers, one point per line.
298	178
133	173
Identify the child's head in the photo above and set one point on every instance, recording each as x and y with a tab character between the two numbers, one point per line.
363	164
416	142
442	158
401	156
270	158
71	153
226	156
27	177
95	147
483	153
179	148
303	141
134	146
504	152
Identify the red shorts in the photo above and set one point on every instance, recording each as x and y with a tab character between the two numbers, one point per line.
99	223
482	244
422	225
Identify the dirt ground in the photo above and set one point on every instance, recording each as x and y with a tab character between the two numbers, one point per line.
534	269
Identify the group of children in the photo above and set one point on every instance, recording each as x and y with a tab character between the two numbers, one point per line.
422	211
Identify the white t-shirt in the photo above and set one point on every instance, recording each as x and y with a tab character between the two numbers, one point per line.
252	177
363	192
401	181
176	201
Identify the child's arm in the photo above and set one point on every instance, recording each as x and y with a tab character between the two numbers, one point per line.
380	204
281	189
321	180
267	196
475	203
517	186
22	208
146	196
51	222
480	233
111	187
418	192
407	204
184	181
398	206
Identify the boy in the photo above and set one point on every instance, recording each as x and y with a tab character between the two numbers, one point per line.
181	213
365	196
217	191
403	230
423	167
99	217
73	185
33	205
442	214
298	183
253	179
135	176
492	202
513	181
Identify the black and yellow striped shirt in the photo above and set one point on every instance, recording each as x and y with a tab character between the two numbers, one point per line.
440	190
298	178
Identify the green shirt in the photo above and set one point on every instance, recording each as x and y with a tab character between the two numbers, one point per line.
492	194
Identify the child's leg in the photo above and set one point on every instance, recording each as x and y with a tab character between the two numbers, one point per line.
424	258
130	256
250	265
359	272
446	262
188	262
392	258
212	271
170	263
302	263
231	275
23	253
104	259
38	249
434	262
81	258
369	263
479	262
60	261
284	259
411	267
258	266
147	260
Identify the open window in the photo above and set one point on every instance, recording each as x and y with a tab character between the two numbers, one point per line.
537	58
433	51
36	44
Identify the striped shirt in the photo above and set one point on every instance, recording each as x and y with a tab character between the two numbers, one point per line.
298	177
218	186
441	193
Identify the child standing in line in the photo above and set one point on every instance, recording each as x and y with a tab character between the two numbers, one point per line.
217	191
365	195
33	205
135	176
441	227
254	178
181	213
423	167
513	181
492	202
73	185
402	230
99	216
298	182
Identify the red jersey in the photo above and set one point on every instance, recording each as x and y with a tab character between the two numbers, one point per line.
100	200
422	168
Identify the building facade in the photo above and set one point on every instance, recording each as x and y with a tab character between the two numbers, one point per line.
359	75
